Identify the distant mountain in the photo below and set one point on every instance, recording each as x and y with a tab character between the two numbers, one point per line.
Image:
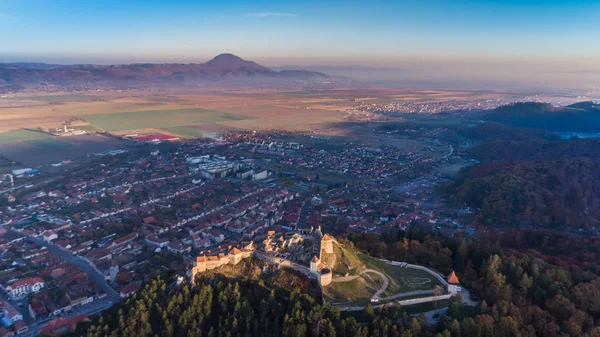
578	117
224	67
32	65
356	72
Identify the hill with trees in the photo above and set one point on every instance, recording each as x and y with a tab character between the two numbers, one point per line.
496	131
529	178
526	288
221	305
222	68
499	150
578	117
557	194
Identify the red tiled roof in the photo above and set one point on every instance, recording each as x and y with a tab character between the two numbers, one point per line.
59	323
149	219
452	278
327	237
130	289
30	281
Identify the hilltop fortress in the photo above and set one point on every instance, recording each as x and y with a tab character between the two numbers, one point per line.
328	258
235	255
317	269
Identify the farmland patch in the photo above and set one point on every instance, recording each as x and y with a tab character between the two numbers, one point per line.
159	119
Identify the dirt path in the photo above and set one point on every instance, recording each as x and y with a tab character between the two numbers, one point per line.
386	281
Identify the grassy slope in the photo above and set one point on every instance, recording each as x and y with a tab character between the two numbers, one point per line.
352	291
348	261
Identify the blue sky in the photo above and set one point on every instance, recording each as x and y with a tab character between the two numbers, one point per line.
301	32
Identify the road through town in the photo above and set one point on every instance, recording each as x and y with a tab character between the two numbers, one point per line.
81	263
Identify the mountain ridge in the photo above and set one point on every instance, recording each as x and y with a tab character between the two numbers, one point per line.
223	67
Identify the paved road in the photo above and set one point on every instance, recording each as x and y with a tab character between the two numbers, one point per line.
303	214
81	263
408	293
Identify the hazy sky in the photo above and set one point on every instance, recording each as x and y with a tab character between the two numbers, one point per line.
364	32
528	41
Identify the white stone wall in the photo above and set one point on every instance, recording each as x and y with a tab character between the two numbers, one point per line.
425	299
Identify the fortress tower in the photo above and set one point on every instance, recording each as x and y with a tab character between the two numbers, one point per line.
453	283
314	264
327	244
325	276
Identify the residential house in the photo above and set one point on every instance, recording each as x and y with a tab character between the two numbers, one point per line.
24	287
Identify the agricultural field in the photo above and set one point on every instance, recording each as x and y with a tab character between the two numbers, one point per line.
200	130
49	150
159	119
57	98
243	108
20	135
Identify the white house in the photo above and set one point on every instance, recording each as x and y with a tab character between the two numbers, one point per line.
24	287
49	235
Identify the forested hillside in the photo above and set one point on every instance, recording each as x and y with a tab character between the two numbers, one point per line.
579	117
529	282
227	306
557	194
492	130
526	289
536	149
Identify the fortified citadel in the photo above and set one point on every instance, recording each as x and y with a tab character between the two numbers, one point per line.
317	269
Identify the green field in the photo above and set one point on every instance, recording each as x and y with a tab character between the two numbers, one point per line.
353	291
50	144
20	135
400	277
360	291
193	131
159	119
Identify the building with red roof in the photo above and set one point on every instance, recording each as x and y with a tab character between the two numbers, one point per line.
130	290
62	325
453	284
24	287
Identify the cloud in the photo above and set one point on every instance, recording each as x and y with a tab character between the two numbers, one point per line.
271	15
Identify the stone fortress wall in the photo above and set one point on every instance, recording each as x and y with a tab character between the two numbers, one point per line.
322	275
316	270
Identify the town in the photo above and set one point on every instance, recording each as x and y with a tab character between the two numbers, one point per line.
74	245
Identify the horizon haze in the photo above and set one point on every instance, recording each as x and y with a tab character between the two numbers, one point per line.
533	44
